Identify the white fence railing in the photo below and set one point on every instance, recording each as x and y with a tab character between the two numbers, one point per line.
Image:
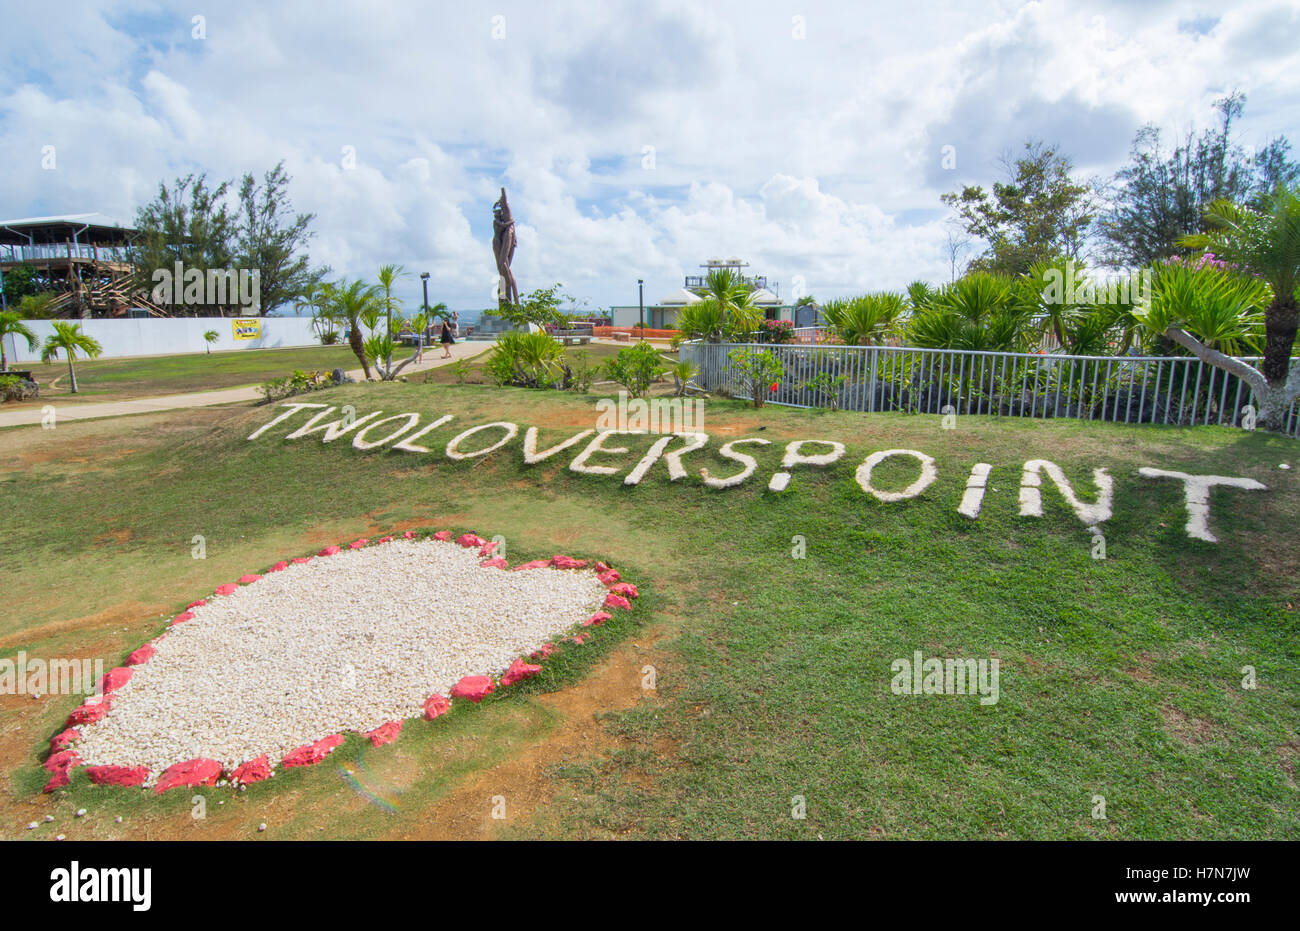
1178	390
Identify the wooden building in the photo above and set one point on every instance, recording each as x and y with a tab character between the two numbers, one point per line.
83	258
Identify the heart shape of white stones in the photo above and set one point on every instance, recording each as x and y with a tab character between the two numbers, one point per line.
270	671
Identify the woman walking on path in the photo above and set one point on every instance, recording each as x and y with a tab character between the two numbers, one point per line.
447	339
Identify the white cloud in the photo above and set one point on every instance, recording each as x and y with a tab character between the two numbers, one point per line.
817	157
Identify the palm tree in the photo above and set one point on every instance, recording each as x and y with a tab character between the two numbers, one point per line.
353	302
11	324
314	297
388	275
211	336
728	301
1265	243
69	338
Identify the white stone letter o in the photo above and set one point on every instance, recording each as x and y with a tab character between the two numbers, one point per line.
453	447
928	474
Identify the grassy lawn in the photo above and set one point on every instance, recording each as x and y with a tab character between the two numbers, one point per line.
119	379
1120	677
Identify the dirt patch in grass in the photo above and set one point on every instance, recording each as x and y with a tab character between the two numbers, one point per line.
1287	756
119	615
1185	728
523	780
1142	671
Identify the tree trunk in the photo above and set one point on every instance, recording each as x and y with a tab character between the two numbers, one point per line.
354	343
72	373
1280	322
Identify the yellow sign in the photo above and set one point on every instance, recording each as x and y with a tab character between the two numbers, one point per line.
247	329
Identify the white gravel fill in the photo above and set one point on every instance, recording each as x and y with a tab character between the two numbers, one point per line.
340	643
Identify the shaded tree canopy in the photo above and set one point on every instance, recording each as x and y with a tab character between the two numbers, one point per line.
1163	195
192	223
1039	211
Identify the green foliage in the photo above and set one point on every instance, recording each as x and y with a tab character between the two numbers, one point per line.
827	387
192	223
1265	242
582	371
1039	211
757	370
540	307
37	306
726	310
329	337
1219	306
866	320
635	367
528	360
271	239
1162	196
351	303
978	312
15	388
919	293
20	282
297	382
460	368
68	338
682	373
11	324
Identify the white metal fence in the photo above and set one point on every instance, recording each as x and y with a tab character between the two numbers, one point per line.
1178	390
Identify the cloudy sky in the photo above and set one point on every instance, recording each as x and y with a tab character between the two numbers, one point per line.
636	141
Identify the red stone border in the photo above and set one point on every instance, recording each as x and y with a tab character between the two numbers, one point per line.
63	756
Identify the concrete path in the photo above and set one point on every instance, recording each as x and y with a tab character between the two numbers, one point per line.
31	416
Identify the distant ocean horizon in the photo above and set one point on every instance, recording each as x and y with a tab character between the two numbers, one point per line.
466	318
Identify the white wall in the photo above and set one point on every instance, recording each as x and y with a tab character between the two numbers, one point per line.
159	336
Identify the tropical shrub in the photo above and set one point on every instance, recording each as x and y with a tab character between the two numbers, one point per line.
980	312
297	382
17	388
759	372
682	373
635	367
826	387
527	360
867	320
725	312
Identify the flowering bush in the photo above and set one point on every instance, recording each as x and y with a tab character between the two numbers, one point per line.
758	371
776	331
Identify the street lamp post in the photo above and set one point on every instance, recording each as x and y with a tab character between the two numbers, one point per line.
640	300
424	279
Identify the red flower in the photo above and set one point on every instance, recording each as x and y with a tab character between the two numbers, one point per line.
775	385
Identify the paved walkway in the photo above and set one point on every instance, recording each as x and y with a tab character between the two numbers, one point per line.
31	416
